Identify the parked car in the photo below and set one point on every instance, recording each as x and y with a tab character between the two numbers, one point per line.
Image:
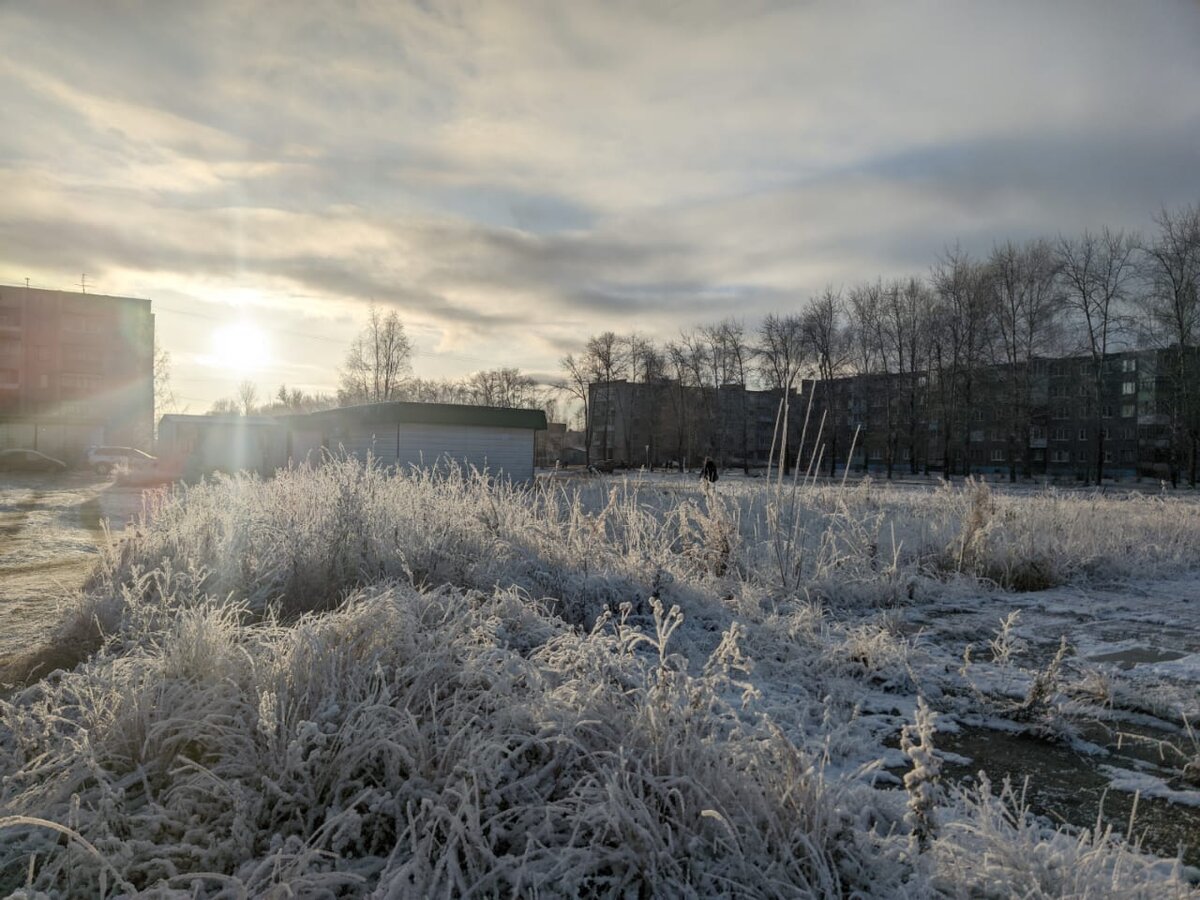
29	461
104	459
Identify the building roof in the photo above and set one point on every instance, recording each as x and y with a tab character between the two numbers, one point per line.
223	419
403	412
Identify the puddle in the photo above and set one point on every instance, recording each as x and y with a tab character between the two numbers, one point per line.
1136	656
1067	787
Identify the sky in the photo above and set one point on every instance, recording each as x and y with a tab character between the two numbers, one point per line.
512	177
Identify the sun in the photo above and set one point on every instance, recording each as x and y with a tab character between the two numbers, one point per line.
240	347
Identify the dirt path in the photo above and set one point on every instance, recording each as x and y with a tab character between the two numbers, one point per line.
50	529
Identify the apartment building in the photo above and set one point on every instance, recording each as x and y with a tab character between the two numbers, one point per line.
1062	419
1054	418
664	423
75	369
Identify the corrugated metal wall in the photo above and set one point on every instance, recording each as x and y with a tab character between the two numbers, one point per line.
503	452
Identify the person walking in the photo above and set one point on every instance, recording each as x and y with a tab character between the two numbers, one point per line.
708	471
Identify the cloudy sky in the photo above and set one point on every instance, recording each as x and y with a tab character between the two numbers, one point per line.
514	176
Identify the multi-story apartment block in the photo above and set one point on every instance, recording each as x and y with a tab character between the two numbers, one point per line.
75	369
1059	418
665	423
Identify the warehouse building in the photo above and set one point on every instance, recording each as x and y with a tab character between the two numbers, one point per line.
192	445
497	441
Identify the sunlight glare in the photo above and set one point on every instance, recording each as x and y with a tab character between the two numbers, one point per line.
240	347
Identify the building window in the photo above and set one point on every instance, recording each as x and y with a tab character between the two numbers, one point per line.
876	454
998	455
1060	434
1129	365
1128	410
1060	456
81	324
977	437
1083	434
1108	457
79	382
1106	410
1128	387
1062	412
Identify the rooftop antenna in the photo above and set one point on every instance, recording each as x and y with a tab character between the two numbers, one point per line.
83	282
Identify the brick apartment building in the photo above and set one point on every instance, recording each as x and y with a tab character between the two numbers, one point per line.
1051	419
75	369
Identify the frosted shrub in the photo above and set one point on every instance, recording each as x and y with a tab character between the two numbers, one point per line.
995	848
921	781
345	682
402	744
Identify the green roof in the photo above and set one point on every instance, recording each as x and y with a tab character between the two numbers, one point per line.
401	412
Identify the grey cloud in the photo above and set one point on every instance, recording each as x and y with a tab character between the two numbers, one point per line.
522	174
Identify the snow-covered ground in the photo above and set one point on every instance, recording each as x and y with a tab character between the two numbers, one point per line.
50	529
344	682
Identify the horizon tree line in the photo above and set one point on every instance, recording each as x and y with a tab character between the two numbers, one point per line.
931	344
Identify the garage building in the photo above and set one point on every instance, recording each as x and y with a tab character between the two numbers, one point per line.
424	435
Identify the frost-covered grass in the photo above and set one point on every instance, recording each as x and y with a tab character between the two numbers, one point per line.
338	682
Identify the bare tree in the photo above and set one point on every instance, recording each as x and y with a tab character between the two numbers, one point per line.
905	323
1096	271
377	362
780	352
1027	308
580	374
504	387
1170	265
699	356
737	357
682	371
827	337
960	334
225	406
295	400
164	395
873	386
247	397
606	359
646	369
881	351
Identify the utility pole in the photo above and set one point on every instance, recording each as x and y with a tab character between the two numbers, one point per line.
83	282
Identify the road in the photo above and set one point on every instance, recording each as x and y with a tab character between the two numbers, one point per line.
50	529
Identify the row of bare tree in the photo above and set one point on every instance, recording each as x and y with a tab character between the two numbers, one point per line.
936	338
